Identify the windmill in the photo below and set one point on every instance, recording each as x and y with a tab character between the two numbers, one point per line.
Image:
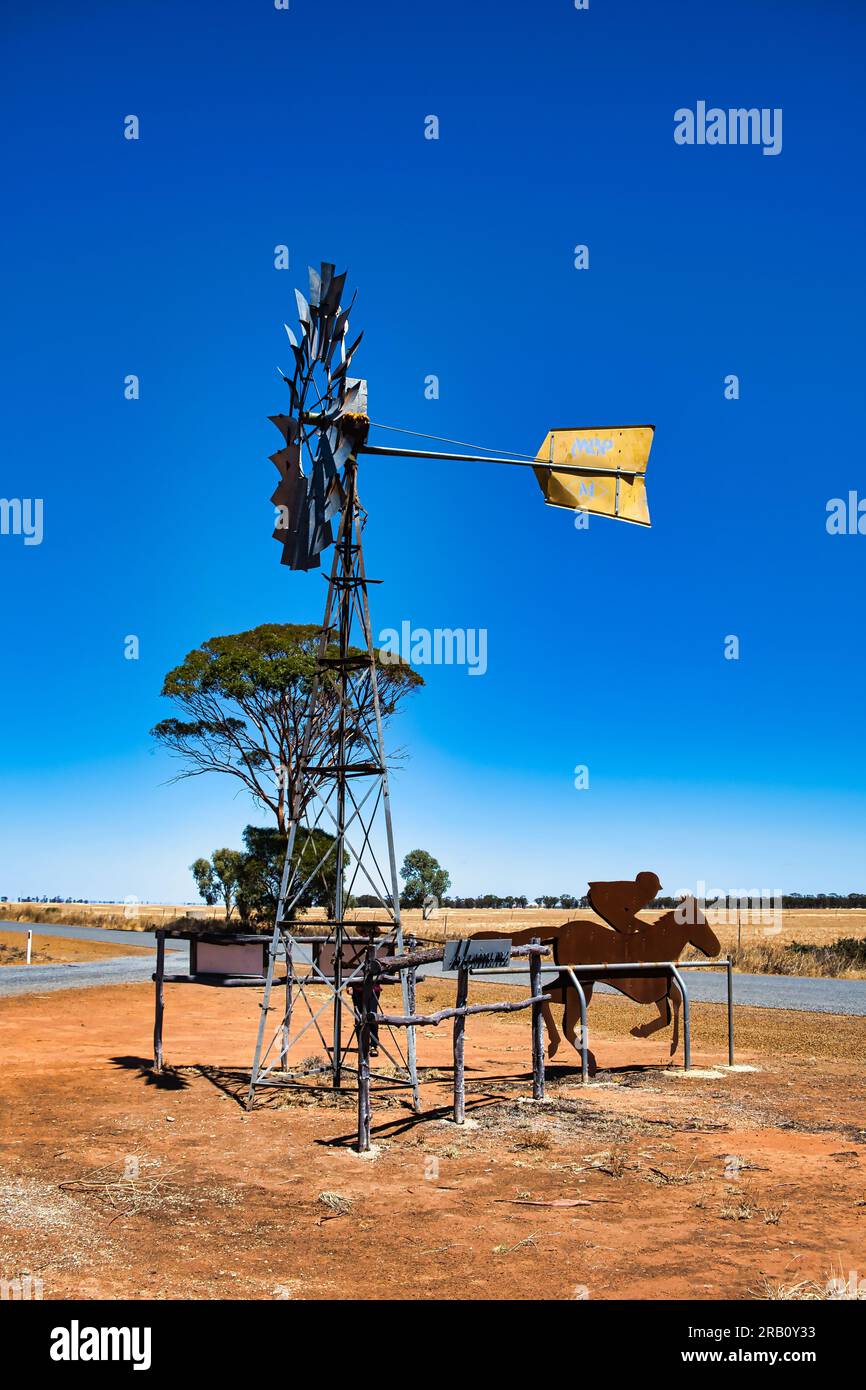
342	784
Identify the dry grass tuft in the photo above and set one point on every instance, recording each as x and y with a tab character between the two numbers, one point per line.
530	1240
740	1207
773	1215
835	1288
336	1203
534	1141
614	1162
664	1177
146	1189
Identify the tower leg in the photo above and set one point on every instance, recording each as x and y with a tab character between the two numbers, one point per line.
389	830
263	1016
287	1016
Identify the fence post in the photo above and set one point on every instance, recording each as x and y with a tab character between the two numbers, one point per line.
368	1005
159	1002
459	1040
412	1000
537	1023
411	976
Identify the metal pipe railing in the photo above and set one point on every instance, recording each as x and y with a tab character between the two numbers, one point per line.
623	969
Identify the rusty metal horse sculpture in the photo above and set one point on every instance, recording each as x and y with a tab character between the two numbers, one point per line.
583	942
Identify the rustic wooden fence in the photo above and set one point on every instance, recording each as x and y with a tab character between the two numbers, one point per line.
375	968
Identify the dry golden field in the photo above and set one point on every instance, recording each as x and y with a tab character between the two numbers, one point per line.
755	945
818	926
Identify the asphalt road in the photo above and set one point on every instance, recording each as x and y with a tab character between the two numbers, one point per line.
118	970
811	995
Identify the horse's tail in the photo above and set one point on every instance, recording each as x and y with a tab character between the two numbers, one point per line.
675	1038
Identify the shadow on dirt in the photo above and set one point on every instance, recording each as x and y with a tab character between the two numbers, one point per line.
166	1080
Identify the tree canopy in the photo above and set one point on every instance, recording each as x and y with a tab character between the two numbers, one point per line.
217	878
243	702
248	880
424	878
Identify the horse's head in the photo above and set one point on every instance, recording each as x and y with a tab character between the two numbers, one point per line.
699	933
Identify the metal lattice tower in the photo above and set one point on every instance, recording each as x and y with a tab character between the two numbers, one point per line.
345	792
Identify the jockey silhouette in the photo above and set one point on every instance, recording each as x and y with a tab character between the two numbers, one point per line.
618	903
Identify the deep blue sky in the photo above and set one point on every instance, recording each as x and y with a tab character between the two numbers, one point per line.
305	127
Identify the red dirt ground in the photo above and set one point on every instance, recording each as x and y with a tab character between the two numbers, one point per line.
116	1184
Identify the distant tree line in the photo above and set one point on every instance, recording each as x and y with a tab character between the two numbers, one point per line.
791	900
566	902
45	899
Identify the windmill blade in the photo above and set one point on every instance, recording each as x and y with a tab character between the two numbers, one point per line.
303	309
331	298
295	543
342	448
300	357
315	287
297	555
325	277
325	456
287	426
347	356
291	494
285	459
333	486
321	534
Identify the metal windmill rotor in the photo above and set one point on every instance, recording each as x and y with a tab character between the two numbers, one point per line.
323	428
345	788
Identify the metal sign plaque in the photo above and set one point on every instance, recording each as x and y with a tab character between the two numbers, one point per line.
472	954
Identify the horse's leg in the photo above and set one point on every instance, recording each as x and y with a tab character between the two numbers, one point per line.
553	1034
557	996
646	1030
571	1022
571	1015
